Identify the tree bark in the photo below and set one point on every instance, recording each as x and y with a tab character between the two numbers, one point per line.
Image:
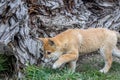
21	21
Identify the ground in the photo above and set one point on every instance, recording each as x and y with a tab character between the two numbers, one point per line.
87	69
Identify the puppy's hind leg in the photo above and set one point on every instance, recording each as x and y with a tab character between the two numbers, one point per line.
107	55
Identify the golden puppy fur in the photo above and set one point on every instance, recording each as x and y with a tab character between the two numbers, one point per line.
68	45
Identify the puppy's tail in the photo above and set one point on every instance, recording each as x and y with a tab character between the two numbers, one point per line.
116	51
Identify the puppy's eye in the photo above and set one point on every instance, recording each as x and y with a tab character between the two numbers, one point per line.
48	52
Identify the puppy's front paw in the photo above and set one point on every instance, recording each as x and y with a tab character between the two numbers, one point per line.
56	65
103	71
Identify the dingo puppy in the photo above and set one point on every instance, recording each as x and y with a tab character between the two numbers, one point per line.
66	46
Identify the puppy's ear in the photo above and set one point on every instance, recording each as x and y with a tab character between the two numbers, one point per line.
42	40
51	42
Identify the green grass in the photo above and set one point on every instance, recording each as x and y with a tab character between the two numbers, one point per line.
86	71
3	64
92	73
6	67
38	73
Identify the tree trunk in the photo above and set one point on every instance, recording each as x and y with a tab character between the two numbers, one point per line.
21	21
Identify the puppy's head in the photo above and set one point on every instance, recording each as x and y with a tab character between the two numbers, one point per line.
51	50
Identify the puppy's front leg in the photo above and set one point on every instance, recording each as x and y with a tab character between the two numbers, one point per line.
72	56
